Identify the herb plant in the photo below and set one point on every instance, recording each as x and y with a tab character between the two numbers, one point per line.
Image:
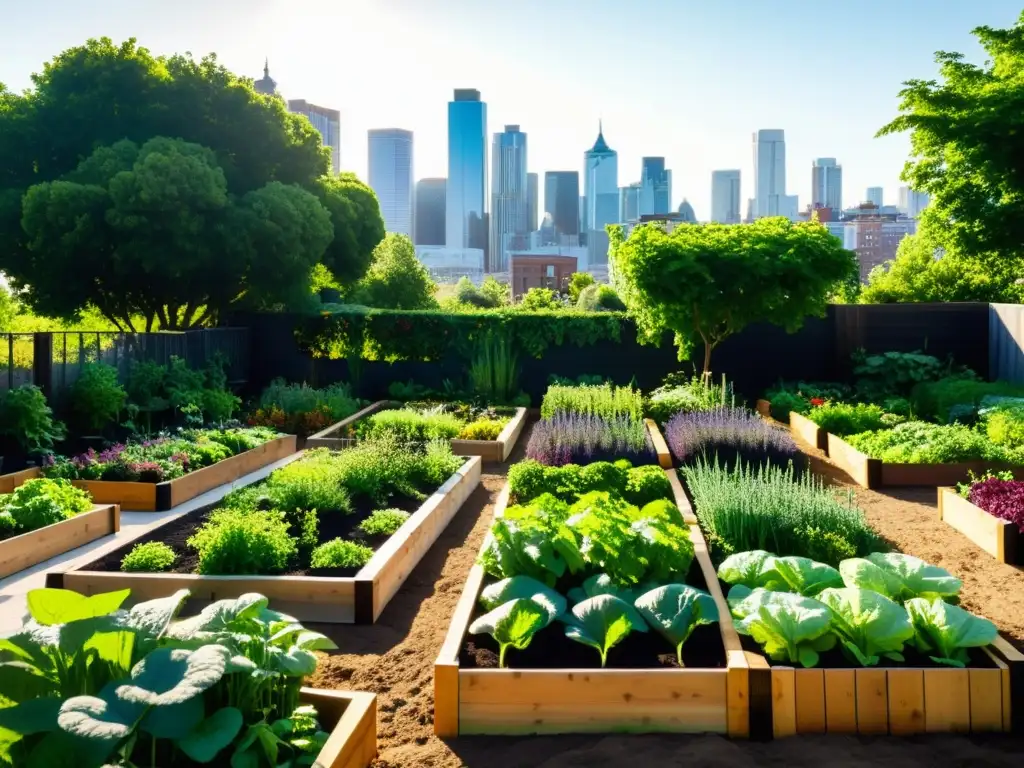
917	442
40	502
233	541
844	419
151	557
604	401
409	425
301	409
572	438
731	435
383	522
339	553
681	395
638	485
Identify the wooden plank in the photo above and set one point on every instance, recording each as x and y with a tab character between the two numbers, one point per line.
337	429
906	701
391	565
947	701
986	691
12	480
730	638
808	431
353	739
737	685
810	700
872	701
510	434
905	475
506	702
446	699
783	701
20	552
996	536
840	701
764	407
660	446
759	683
134	497
864	470
680	498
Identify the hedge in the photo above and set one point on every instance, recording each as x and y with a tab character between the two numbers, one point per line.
429	335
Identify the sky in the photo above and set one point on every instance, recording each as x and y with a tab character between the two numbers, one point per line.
687	79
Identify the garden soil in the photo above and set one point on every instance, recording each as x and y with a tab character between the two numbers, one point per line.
395	657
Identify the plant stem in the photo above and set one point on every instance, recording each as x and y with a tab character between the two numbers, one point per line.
501	656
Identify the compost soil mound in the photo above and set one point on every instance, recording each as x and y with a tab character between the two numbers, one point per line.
395	660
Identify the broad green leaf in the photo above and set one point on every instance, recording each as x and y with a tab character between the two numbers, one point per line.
60	606
22	680
519	586
220	616
152	617
60	749
101	720
920	579
314	641
602	584
868	622
295	662
513	624
603	622
744	568
860	573
675	610
801	575
947	630
173	675
785	624
738	593
115	648
31	716
75	635
175	721
212	735
240	664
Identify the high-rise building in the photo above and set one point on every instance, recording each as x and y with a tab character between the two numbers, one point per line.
874	195
509	197
769	173
827	184
267	85
601	189
391	177
430	202
656	186
562	201
629	203
686	213
327	122
465	212
911	203
725	197
532	200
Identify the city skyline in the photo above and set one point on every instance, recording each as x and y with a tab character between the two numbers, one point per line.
717	100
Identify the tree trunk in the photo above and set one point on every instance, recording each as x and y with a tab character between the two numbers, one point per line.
707	360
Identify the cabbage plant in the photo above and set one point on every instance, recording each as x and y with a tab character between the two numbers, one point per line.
945	632
758	568
790	627
602	622
900	577
675	610
870	626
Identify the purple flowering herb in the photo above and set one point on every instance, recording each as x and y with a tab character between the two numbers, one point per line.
729	433
1000	498
579	439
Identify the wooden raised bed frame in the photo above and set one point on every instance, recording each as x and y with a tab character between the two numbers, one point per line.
808	431
160	497
488	450
875	473
358	599
353	739
1000	538
34	547
900	702
660	446
525	701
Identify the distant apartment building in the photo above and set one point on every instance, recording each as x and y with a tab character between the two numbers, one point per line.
912	203
541	270
532	201
562	201
391	177
429	221
725	197
447	265
827	183
629	203
875	196
874	235
327	122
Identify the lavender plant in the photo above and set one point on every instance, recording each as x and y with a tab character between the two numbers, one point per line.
578	439
731	434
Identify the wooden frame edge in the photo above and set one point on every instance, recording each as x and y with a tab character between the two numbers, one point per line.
329	431
352	742
660	446
964	517
679	496
29	540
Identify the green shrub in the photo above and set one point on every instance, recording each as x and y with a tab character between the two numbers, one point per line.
313	483
26	417
237	542
97	397
604	400
916	442
8	527
437	464
1004	425
844	419
483	429
827	546
783	403
895	374
43	501
219	404
527	480
295	399
953	399
408	425
600	298
647	484
151	557
339	553
241	440
681	395
384	522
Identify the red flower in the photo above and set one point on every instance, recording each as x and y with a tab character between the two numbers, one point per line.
816	401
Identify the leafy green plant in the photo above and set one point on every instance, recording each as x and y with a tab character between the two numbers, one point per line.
946	632
869	626
791	628
957	398
501	592
900	577
680	395
602	622
605	401
314	483
895	374
383	522
675	610
844	419
600	298
41	502
1004	424
409	425
27	418
514	623
97	396
638	485
964	489
783	403
151	557
339	553
916	442
233	541
494	370
784	574
483	429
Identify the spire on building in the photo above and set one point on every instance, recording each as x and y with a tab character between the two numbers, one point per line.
600	145
266	85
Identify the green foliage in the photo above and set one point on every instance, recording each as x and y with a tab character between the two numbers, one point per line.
766	508
498	293
514	623
338	553
916	442
605	401
396	279
314	483
236	542
945	632
383	522
844	419
357	222
602	622
336	399
41	502
637	485
783	403
27	418
97	397
540	299
483	429
488	296
680	395
409	425
1004	424
956	398
895	374
151	557
600	298
675	610
494	370
708	281
786	574
900	577
869	626
790	628
577	283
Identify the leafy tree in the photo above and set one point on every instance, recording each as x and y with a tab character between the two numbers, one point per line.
358	225
499	293
539	298
577	283
468	294
967	148
600	298
153	232
705	282
396	279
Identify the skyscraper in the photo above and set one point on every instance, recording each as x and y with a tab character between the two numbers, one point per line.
686	213
267	85
562	201
327	122
430	202
465	214
655	186
911	203
629	203
509	197
875	195
827	184
532	201
725	197
769	173
601	189
391	177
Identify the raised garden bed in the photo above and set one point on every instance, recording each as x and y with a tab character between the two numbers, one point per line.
875	473
1000	538
808	431
351	718
645	693
342	599
34	547
338	435
660	446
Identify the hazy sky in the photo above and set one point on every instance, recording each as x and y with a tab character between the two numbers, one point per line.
687	79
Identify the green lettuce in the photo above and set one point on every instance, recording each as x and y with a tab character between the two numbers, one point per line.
870	626
675	610
513	624
900	577
945	631
519	586
789	627
603	622
758	568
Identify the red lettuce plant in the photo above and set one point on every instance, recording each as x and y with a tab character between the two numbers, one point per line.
1000	498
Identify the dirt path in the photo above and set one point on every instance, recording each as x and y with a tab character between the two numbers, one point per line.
395	659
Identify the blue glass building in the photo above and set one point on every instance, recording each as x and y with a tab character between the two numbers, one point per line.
465	214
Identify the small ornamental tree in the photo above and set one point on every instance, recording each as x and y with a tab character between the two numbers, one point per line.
396	279
705	282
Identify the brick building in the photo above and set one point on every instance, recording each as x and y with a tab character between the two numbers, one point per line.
538	270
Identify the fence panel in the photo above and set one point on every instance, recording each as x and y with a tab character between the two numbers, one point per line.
16	360
1006	342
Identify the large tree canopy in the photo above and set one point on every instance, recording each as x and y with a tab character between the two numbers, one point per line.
967	138
705	282
396	278
154	232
